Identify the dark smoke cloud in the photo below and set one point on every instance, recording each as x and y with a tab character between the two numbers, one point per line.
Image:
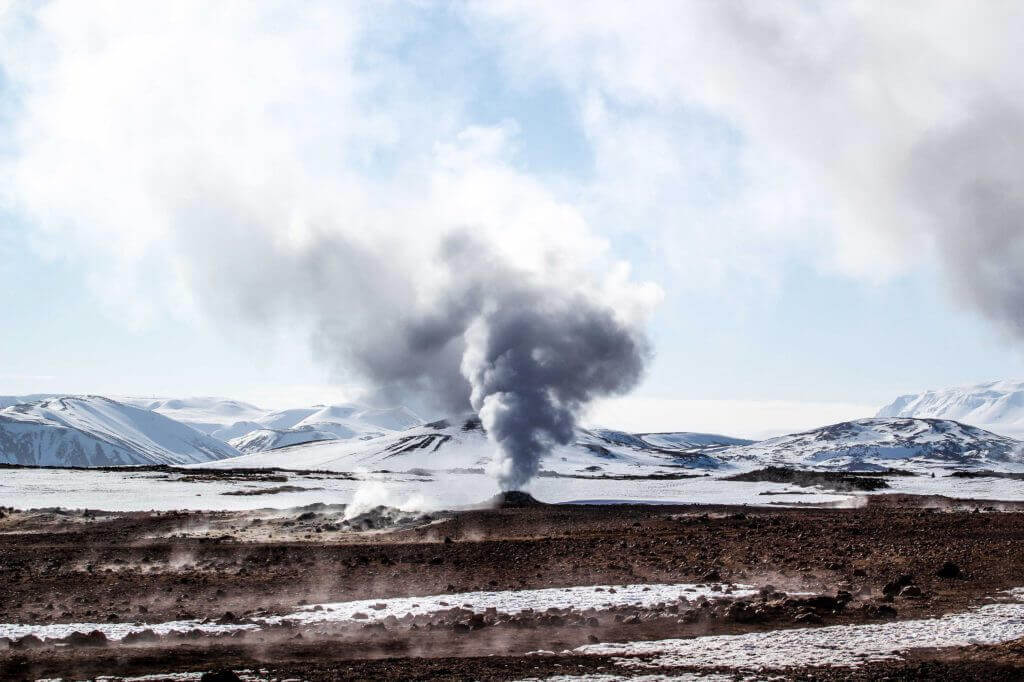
969	181
526	351
526	354
534	360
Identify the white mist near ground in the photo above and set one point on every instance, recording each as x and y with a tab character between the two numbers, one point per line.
372	494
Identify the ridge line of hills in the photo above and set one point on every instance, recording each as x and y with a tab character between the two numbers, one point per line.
95	431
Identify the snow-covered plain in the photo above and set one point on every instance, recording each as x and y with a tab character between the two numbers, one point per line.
431	491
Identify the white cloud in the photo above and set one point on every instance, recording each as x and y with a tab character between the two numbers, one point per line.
833	104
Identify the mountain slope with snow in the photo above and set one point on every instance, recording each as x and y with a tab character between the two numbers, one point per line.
462	444
202	413
867	444
86	431
996	406
227	420
873	444
690	441
272	439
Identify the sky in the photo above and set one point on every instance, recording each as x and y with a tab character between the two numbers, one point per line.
809	210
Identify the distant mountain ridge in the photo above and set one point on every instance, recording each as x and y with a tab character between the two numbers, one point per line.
460	443
234	421
996	406
97	431
881	443
921	445
89	431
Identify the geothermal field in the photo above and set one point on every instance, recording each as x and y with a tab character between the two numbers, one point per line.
889	547
513	340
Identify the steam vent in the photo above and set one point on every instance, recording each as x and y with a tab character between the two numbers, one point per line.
511	499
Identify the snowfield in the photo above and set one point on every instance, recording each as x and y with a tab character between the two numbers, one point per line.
431	491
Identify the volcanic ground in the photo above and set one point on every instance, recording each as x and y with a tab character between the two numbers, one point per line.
259	593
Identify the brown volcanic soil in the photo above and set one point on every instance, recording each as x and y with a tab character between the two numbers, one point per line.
66	567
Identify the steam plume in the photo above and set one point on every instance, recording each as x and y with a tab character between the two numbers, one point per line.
533	361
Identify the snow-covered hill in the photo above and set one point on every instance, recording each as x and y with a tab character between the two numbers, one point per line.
203	414
227	420
690	441
357	419
95	431
272	439
462	444
996	406
866	444
8	400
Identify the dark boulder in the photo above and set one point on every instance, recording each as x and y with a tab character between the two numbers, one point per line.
949	570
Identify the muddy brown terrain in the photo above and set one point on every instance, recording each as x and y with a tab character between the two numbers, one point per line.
894	558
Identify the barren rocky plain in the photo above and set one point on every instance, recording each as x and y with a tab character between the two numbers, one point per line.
483	593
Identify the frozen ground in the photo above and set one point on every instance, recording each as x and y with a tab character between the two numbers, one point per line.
428	491
369	610
841	645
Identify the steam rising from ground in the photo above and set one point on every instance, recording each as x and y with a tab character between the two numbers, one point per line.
534	361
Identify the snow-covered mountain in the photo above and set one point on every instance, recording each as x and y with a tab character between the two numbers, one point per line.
272	439
227	420
95	431
202	413
8	400
462	444
879	443
865	444
357	419
690	441
996	406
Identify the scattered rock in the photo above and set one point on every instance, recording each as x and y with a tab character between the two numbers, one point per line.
949	570
893	587
220	676
808	618
911	591
146	635
27	642
94	638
